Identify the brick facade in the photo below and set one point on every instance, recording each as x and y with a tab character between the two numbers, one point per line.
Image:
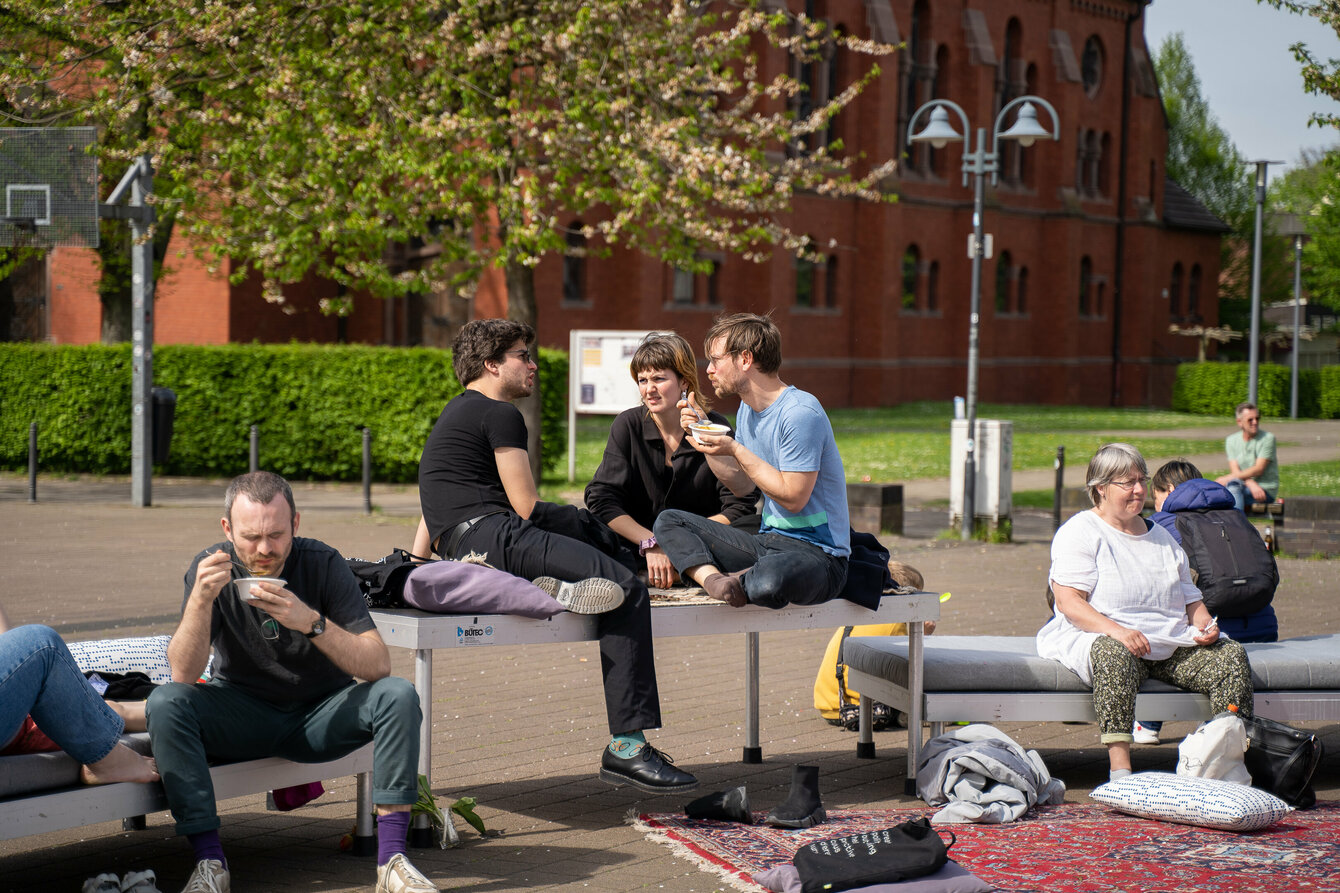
1075	306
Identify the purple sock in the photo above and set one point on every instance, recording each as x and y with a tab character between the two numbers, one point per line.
207	846
392	832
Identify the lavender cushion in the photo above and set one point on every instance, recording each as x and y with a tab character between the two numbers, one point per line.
952	878
459	587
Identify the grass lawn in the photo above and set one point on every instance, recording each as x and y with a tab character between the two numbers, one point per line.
911	441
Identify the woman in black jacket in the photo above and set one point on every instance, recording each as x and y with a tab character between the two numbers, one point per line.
648	467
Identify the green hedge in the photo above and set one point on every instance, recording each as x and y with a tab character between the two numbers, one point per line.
1217	388
310	403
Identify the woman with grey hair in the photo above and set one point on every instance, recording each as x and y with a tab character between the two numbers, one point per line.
1126	609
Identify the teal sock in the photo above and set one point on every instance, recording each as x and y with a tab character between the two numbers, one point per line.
628	744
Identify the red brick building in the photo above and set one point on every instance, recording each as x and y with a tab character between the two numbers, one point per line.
1095	253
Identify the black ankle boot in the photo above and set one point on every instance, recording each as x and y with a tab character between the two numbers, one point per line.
730	806
802	809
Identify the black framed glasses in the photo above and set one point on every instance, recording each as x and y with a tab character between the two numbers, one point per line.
523	355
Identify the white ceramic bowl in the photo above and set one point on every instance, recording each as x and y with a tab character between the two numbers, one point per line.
707	428
244	586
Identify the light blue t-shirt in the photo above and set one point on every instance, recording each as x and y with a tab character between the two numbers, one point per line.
794	434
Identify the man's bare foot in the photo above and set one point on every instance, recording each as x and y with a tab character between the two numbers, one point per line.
726	588
122	764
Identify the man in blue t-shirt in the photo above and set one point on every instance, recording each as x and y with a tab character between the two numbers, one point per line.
783	445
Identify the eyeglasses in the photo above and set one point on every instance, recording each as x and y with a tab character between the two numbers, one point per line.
270	628
1128	486
522	355
716	361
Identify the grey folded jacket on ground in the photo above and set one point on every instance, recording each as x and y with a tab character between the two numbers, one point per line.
983	776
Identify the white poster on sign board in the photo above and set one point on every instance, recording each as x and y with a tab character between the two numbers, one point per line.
598	379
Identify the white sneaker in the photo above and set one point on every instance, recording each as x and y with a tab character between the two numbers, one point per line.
594	595
209	877
1144	734
103	883
399	876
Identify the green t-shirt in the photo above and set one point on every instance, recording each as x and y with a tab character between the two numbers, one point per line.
1246	452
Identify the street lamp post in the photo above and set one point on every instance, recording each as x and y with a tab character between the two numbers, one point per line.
981	161
1253	347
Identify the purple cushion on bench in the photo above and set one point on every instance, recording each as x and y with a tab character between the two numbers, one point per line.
459	587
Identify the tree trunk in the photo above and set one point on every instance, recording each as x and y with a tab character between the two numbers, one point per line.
521	308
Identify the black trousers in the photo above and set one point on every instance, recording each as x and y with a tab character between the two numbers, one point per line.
627	658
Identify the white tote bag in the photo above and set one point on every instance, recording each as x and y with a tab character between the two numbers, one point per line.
1215	750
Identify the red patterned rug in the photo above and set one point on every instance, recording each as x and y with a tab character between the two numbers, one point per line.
1071	848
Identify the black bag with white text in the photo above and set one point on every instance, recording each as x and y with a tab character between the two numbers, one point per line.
1235	572
382	582
910	850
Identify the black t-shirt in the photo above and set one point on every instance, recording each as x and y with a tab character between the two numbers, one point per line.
634	480
289	670
458	473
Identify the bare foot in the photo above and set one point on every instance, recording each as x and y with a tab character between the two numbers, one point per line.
726	588
122	764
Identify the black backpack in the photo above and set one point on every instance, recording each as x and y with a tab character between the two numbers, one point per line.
1235	572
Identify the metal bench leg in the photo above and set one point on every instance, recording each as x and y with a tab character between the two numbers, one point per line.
865	736
134	823
753	752
365	831
421	829
916	683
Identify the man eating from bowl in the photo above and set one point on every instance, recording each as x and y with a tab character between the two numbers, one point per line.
783	444
283	680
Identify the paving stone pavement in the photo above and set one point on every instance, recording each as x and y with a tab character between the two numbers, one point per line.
522	730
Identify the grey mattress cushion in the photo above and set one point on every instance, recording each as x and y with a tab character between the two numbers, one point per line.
29	772
1011	663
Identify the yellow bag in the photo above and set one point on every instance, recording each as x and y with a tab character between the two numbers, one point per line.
827	699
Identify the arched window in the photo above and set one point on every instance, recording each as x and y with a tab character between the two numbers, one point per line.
1003	283
917	88
1105	165
829	85
1010	82
911	269
936	159
804	282
1081	160
1085	286
933	287
1175	292
1091	66
574	265
831	281
1095	162
1193	294
1021	291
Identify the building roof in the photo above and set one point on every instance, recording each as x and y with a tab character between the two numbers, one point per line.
1182	210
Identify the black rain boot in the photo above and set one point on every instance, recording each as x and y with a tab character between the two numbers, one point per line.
730	806
802	809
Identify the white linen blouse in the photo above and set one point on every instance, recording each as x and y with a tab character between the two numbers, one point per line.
1141	581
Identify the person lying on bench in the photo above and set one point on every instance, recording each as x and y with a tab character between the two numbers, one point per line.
44	695
649	463
287	653
1126	609
478	496
783	444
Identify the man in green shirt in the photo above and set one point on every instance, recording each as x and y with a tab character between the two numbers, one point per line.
1254	474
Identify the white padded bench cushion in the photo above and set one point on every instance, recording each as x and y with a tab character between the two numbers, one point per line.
1011	663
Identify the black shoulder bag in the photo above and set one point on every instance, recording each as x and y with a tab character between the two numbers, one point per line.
383	581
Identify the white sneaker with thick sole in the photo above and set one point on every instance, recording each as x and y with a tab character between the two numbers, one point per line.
209	877
1144	735
594	595
399	876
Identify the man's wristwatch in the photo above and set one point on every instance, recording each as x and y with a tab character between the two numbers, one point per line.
318	626
646	545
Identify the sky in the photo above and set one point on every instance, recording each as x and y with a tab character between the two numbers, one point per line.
1240	49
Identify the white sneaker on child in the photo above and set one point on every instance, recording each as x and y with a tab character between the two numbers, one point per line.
1144	734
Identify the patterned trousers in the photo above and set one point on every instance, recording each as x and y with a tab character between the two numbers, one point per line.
1219	671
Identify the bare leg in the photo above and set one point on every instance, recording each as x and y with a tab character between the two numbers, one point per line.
122	764
1119	755
132	713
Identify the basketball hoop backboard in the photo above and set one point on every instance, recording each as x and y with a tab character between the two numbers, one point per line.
48	186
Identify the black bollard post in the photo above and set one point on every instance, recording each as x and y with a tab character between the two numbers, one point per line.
367	471
255	463
32	462
1060	486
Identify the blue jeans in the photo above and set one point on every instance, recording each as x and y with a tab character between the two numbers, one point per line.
1242	496
191	725
782	570
38	676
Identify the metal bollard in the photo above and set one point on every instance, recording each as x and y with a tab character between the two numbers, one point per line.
32	462
1060	486
367	471
255	463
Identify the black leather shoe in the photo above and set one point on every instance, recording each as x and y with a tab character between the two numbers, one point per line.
647	770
